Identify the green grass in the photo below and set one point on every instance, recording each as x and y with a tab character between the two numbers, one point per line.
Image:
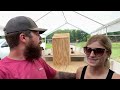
81	44
48	45
116	51
116	45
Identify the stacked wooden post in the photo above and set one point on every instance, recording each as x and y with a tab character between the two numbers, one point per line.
61	49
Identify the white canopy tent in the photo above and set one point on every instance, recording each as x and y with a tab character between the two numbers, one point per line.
92	22
1	31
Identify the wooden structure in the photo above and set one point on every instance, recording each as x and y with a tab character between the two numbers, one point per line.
61	49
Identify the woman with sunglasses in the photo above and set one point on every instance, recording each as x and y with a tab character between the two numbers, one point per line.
98	50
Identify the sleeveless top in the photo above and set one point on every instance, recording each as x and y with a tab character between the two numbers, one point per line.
109	76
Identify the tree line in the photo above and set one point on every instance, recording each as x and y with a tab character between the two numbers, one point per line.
81	36
75	35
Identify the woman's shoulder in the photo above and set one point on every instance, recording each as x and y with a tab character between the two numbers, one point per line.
79	72
116	76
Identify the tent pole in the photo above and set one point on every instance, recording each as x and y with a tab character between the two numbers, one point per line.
106	31
45	42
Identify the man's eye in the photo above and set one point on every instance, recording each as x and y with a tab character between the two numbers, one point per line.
37	34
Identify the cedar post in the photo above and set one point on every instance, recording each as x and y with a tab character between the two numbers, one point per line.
61	49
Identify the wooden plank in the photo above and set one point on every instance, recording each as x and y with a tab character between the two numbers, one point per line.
61	49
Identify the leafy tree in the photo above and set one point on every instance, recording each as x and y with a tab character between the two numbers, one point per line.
75	35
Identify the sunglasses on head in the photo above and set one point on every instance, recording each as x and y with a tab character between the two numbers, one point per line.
97	51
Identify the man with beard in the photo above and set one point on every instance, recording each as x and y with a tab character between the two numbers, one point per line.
24	60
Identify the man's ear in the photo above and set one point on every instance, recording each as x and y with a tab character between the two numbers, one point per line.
22	37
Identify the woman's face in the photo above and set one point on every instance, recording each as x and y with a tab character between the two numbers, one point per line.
96	54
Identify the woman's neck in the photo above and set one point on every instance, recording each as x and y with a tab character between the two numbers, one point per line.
99	72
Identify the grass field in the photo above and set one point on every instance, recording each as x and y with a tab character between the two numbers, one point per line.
48	45
115	49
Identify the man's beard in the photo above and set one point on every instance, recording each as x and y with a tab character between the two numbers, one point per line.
32	52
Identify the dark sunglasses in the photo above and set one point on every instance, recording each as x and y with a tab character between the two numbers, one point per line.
97	51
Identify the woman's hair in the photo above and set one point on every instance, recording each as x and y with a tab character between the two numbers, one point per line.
105	42
13	38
